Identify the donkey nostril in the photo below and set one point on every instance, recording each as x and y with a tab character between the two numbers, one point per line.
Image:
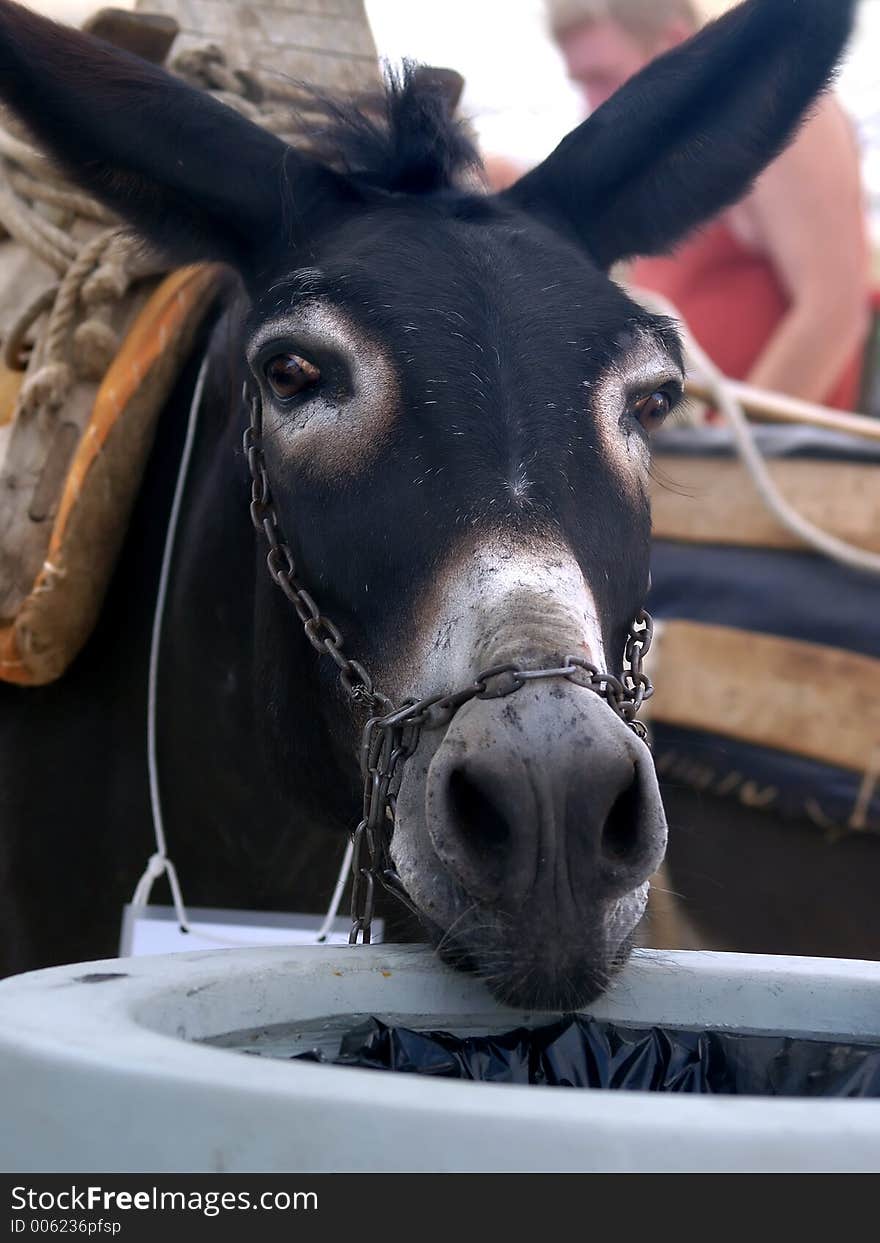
621	834
475	813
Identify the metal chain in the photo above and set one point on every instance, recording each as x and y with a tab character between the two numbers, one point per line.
391	735
320	631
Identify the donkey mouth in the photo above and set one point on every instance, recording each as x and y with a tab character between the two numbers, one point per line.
526	838
545	956
531	964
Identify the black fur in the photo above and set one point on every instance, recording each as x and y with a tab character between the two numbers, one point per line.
498	323
154	149
405	141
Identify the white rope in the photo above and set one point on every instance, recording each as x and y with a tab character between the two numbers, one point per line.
814	537
39	210
159	863
344	869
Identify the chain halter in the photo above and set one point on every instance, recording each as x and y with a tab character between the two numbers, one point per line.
391	734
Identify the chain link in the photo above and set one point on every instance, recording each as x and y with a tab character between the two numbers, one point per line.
391	735
323	634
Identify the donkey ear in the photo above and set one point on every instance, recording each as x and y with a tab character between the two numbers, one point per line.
686	137
193	176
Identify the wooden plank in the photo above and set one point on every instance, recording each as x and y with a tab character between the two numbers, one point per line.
708	500
149	35
805	699
343	35
330	46
327	8
770	407
330	74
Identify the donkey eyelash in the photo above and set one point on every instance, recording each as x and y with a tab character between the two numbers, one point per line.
673	389
683	409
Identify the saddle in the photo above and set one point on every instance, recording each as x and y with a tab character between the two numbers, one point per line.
71	476
767	660
95	331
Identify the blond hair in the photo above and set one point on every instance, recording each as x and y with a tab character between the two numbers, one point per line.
645	20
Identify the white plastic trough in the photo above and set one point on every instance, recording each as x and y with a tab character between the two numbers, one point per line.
99	1070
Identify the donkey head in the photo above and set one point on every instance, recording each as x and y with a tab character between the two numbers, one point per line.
458	404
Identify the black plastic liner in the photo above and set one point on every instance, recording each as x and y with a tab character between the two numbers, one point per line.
578	1052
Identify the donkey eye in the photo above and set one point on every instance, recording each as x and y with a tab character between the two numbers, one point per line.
651	411
288	374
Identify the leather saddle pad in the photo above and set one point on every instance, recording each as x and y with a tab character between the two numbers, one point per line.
64	518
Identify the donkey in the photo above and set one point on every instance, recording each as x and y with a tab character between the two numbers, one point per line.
457	405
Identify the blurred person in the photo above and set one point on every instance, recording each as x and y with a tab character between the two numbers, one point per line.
777	289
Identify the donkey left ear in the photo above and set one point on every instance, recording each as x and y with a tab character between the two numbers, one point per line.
193	176
686	137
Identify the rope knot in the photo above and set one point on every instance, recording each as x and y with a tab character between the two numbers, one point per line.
109	281
208	67
156	865
95	345
47	387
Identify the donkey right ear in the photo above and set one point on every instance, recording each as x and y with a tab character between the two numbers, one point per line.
193	176
689	134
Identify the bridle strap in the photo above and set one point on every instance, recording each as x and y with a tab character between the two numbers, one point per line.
392	734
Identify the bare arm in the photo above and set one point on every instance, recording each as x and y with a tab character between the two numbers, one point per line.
807	210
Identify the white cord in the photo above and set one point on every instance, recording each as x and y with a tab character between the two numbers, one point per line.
345	868
813	536
159	862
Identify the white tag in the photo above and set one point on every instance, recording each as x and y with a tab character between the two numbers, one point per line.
155	930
